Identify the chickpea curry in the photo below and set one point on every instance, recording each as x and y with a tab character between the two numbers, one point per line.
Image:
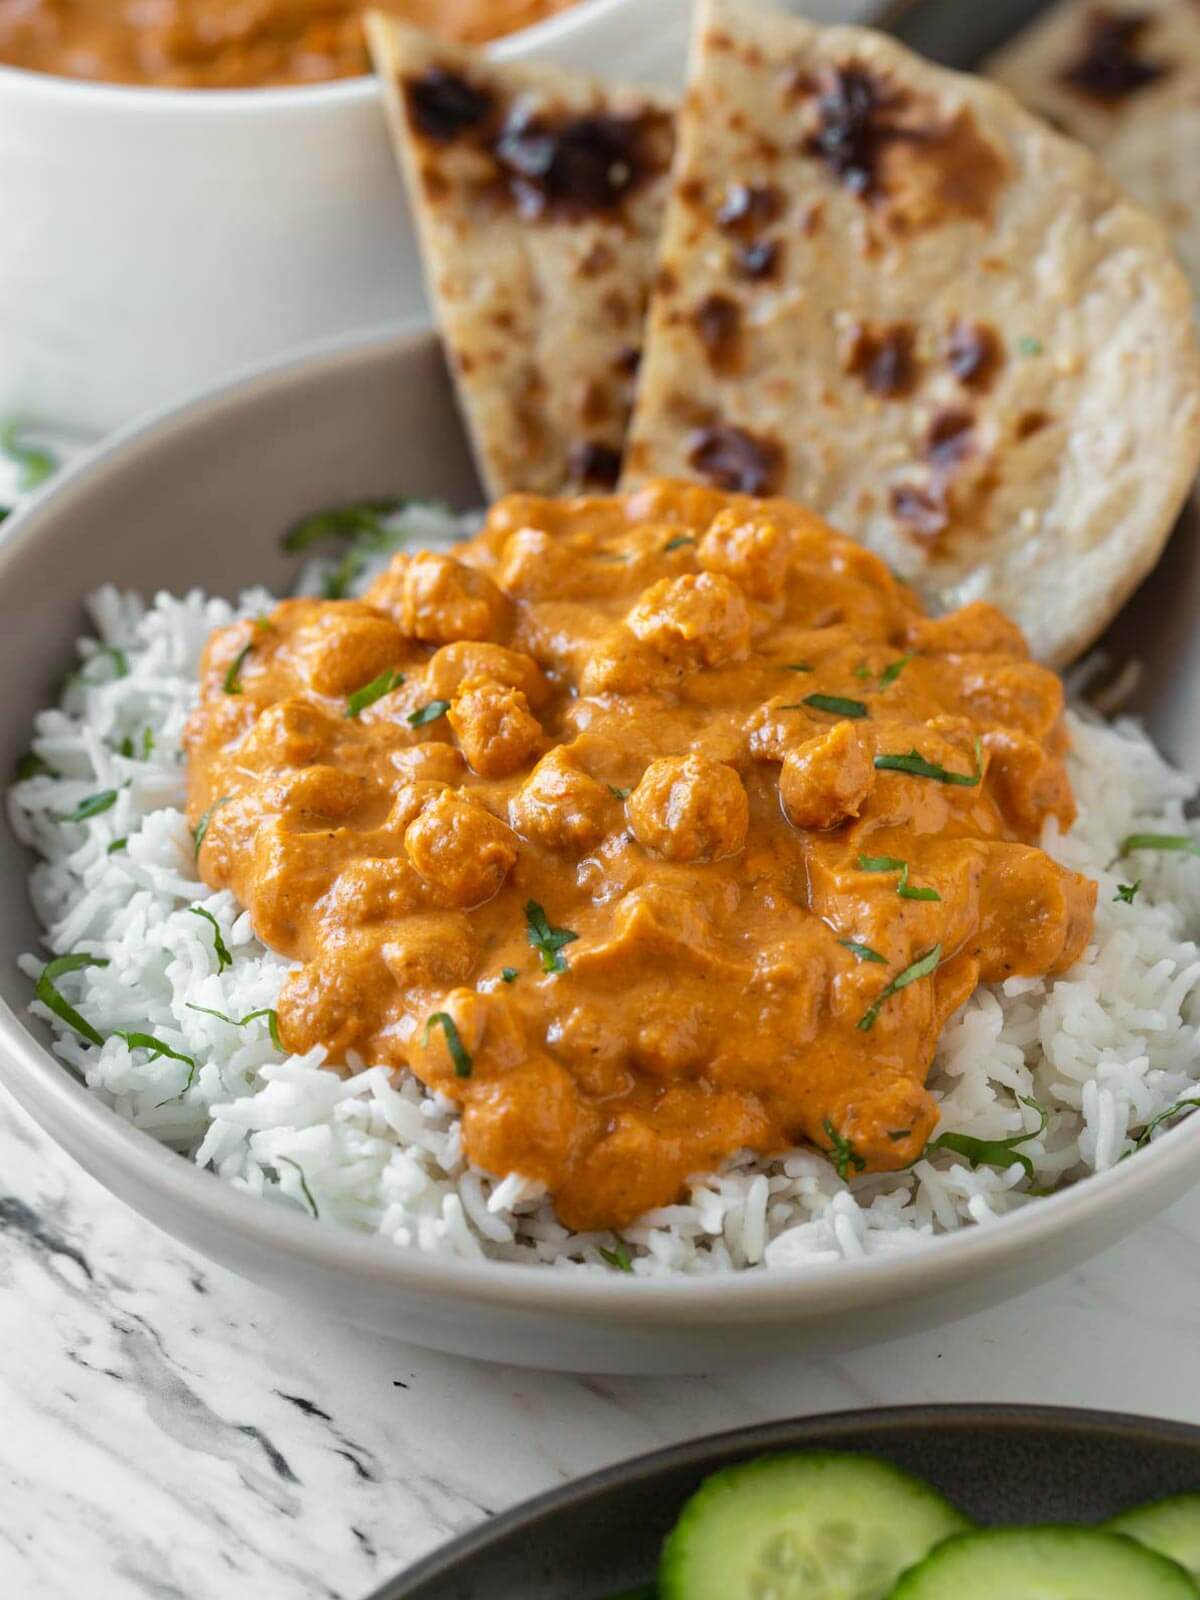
649	829
231	44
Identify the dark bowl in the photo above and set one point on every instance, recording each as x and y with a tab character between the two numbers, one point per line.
999	1464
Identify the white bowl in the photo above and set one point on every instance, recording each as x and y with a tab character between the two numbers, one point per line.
155	240
199	497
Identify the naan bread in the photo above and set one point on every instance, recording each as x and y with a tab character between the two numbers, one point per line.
539	197
889	292
1126	80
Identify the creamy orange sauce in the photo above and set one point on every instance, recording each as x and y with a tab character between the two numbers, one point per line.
606	713
230	44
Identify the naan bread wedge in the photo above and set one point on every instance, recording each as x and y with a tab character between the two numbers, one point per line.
539	197
1126	80
889	292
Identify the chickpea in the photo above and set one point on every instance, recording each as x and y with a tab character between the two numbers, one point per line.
460	848
689	808
827	779
495	728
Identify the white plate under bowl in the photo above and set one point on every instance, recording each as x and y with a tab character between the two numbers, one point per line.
200	497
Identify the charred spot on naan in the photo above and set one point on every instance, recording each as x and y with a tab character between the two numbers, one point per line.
1110	65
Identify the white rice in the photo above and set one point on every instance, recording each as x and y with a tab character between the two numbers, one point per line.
1104	1050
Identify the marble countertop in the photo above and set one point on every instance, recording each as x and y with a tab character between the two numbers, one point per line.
171	1433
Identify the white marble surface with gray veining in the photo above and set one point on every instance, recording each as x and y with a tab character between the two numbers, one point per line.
168	1432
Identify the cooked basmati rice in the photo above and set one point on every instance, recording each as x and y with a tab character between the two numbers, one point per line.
1103	1050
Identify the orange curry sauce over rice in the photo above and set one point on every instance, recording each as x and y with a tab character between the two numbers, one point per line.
649	829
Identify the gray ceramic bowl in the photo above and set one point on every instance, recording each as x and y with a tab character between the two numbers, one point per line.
200	497
999	1464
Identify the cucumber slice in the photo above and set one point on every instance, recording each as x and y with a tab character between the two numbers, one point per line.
1048	1563
802	1526
1171	1526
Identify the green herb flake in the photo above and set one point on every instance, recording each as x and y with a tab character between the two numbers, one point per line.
304	1189
116	847
47	992
459	1053
201	828
36	465
842	1153
1179	1109
509	974
836	705
269	1012
338	583
678	543
862	951
1027	346
147	1041
904	889
1127	892
233	678
363	520
619	794
125	748
94	806
31	765
370	692
916	766
863	671
892	671
1179	843
147	743
427	714
922	967
546	939
224	959
798	666
1000	1153
618	1257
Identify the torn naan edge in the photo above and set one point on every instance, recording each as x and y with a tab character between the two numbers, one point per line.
1126	80
539	197
889	292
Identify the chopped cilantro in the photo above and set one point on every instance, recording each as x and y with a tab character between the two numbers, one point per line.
47	992
509	974
920	968
842	1153
619	794
904	889
916	766
1000	1153
892	671
428	713
863	951
201	828
618	1257
835	704
95	805
31	765
678	543
1177	1110
375	690
1127	892
36	465
116	847
546	939
304	1189
233	681
269	1012
459	1053
224	959
361	520
1182	843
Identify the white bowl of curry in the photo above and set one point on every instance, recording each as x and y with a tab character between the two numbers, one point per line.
226	475
196	187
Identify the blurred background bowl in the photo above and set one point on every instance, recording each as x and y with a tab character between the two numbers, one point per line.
156	240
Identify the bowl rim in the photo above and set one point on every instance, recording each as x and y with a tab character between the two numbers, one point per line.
329	95
937	1263
787	1433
